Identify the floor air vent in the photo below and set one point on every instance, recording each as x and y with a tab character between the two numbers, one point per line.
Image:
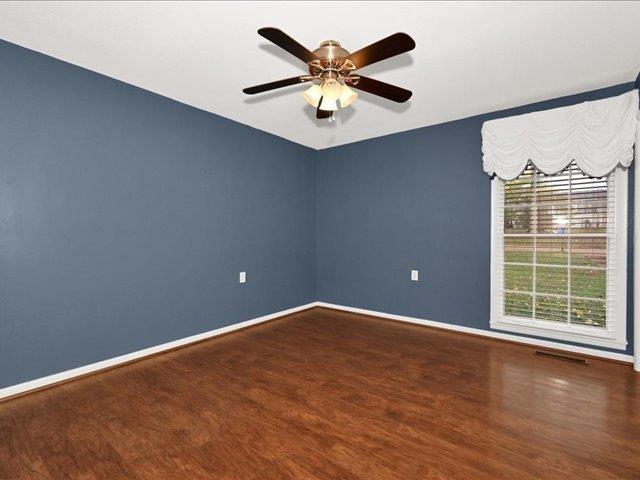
559	356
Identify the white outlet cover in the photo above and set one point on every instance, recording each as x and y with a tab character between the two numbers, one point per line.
242	278
414	275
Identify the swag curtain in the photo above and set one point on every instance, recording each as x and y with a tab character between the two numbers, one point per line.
598	135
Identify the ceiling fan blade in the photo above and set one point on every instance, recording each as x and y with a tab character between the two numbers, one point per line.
322	113
287	43
385	90
265	87
382	49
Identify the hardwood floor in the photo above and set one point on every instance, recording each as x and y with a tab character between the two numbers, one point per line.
323	395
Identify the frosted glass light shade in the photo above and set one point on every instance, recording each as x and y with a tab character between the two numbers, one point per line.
328	104
312	95
330	92
332	89
347	97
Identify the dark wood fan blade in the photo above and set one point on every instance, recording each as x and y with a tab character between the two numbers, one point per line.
381	50
322	113
385	90
265	87
287	43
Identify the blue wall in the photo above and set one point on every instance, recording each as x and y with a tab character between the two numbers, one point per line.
417	199
125	218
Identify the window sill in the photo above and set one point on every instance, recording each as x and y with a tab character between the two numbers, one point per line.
599	339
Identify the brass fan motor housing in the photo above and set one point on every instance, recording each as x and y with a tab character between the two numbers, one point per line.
331	56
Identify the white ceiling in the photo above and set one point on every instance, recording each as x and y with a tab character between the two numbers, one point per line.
470	58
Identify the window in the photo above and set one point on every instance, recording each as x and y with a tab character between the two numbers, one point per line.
559	256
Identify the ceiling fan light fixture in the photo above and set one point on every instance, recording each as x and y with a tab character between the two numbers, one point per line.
313	95
347	97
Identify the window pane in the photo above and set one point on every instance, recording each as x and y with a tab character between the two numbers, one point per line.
553	218
551	280
553	189
589	216
520	190
518	249
518	305
518	277
517	219
588	312
588	283
552	197
589	251
551	250
588	203
551	308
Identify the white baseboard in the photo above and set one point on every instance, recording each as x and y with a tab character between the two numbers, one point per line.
95	367
486	333
111	362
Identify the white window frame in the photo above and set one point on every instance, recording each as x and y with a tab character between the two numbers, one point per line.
615	335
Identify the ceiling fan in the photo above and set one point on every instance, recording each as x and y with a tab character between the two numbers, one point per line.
332	71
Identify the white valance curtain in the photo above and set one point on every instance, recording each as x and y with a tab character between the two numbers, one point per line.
598	135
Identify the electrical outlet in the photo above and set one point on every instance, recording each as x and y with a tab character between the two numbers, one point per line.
242	278
414	275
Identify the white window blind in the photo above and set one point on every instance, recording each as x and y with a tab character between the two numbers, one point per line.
559	256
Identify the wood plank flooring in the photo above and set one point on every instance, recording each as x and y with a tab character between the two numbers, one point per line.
331	395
